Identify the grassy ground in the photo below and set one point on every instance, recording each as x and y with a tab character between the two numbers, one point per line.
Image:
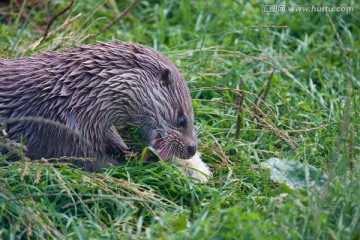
308	112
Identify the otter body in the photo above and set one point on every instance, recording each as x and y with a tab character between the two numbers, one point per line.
91	89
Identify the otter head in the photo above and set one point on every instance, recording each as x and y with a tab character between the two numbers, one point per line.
172	133
159	102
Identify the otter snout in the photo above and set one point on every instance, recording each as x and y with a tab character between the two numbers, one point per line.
191	150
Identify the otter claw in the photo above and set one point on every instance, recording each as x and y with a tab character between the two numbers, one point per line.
131	153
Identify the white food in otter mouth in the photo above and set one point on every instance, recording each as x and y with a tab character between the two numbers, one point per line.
194	167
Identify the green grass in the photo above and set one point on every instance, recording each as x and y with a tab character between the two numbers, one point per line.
310	114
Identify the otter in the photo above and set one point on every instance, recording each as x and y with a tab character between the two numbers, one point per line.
91	89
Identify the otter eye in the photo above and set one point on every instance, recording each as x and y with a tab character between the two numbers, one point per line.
181	122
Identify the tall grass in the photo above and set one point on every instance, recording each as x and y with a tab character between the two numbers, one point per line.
307	111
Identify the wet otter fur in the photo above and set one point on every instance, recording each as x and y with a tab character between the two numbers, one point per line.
90	89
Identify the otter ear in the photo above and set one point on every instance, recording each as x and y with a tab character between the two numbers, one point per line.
165	76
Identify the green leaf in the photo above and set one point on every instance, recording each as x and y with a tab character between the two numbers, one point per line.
295	174
179	223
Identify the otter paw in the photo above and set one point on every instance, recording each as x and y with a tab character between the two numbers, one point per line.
194	167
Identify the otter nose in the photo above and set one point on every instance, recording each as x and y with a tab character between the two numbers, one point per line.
191	150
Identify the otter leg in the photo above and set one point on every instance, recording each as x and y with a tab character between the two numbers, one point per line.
104	163
114	143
